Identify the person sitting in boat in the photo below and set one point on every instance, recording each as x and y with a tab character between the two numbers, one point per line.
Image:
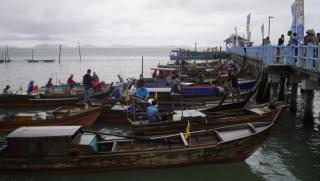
49	86
143	93
70	81
96	85
30	88
235	86
153	112
6	90
141	81
175	86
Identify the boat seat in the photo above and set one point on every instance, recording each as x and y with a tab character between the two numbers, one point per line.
185	142
114	146
218	135
252	128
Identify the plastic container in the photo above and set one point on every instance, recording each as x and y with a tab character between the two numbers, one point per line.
42	115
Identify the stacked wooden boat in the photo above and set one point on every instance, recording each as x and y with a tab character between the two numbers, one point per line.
206	126
71	148
47	99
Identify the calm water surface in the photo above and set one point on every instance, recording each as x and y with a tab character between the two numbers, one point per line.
291	153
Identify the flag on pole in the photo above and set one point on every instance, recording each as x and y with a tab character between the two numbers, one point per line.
297	26
187	133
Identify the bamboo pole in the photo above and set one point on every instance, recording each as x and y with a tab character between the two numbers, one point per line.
142	66
79	51
8	53
60	53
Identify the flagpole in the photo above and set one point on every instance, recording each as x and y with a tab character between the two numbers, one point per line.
270	17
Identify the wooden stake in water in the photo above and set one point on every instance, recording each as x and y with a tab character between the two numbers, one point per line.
142	67
8	53
79	51
59	53
32	54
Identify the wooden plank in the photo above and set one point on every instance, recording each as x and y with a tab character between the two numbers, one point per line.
252	128
185	142
114	146
218	135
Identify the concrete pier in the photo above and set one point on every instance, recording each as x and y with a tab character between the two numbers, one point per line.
286	68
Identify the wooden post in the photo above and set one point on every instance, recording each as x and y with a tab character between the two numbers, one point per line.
79	51
8	58
282	87
32	54
308	109
293	97
142	66
59	53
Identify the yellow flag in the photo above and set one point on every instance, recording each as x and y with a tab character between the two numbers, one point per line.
156	96
187	133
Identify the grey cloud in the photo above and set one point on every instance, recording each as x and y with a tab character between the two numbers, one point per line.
143	22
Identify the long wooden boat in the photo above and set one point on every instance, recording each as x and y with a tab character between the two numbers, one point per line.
46	100
64	115
178	121
70	148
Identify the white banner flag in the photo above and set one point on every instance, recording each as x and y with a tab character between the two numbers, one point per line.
297	26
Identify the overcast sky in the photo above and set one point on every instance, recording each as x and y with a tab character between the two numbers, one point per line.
142	22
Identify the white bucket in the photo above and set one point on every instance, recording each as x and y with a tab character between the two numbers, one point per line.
42	115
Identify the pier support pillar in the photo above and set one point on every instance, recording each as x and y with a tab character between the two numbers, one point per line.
274	80
282	89
293	97
308	108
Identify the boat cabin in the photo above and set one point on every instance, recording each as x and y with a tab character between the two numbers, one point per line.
49	141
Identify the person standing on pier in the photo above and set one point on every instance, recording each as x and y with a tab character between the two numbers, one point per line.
280	43
87	83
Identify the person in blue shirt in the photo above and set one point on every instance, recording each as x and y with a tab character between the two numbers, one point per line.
142	92
153	112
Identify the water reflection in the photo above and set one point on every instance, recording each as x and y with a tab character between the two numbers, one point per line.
204	172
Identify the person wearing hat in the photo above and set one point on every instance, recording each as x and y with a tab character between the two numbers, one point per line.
310	38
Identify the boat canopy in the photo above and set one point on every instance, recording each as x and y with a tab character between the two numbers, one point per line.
44	131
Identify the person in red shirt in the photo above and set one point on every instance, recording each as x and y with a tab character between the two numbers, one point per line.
96	85
70	81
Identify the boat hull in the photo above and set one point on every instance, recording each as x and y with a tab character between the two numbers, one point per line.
228	151
85	119
209	123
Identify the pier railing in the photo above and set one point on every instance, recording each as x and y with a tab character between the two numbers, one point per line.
305	57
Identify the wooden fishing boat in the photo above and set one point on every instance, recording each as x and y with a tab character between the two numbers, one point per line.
177	121
71	148
39	60
64	115
47	100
